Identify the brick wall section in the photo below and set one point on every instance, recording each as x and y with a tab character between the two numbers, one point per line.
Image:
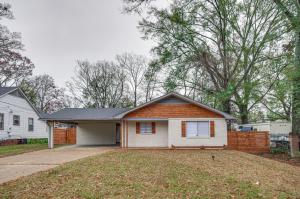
9	142
252	142
158	110
65	136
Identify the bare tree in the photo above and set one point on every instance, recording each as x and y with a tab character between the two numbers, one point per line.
13	66
99	85
150	85
43	93
135	68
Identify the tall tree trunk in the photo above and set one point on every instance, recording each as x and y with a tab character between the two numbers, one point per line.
244	114
135	97
244	119
227	106
296	88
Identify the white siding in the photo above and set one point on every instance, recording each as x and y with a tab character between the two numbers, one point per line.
176	139
96	133
259	127
159	139
280	128
12	105
275	128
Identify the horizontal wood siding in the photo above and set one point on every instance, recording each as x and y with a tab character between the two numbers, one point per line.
71	135
65	136
253	142
159	110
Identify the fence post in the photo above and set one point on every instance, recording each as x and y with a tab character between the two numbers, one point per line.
237	140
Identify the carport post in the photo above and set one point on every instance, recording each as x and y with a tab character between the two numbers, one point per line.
50	137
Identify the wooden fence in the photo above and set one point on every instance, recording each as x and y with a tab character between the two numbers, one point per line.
253	142
65	136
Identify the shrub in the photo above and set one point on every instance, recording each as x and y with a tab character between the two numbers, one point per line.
37	141
279	150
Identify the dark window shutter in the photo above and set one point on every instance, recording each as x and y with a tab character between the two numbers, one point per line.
212	128
183	128
137	127
153	128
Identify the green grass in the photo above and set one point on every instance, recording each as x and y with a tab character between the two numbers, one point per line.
162	174
20	148
24	148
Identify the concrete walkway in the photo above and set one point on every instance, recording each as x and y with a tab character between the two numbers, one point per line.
13	167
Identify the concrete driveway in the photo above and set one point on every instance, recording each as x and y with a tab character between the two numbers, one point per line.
13	167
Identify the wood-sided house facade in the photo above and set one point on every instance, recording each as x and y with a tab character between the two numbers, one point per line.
168	121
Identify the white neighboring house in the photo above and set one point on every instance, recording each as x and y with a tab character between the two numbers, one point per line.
18	117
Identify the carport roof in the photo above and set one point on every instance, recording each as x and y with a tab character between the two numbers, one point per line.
76	114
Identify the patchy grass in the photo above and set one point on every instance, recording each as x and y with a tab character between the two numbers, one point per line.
20	148
24	148
162	174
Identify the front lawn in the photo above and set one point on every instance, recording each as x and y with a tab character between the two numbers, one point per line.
162	174
20	148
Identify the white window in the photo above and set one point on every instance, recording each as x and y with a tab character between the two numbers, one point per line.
146	127
197	129
30	124
16	120
1	121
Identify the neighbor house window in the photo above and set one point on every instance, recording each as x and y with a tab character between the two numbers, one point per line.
30	124
1	121
197	129
146	127
16	120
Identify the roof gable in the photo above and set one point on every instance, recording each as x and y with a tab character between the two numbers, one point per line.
173	98
16	91
7	90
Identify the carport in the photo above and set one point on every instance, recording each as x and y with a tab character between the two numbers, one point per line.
93	126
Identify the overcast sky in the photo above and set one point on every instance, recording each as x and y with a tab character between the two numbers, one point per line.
56	33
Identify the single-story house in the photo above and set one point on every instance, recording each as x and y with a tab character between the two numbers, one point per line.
169	121
18	117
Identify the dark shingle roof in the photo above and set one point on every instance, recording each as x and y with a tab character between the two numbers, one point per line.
4	90
77	114
85	114
43	114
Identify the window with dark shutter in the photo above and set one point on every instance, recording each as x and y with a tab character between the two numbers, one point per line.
153	128
146	128
197	129
137	128
183	128
212	128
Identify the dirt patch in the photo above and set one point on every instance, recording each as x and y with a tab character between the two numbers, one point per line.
282	158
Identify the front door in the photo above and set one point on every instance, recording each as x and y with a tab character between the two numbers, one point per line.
118	128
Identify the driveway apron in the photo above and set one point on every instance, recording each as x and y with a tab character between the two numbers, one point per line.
13	167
